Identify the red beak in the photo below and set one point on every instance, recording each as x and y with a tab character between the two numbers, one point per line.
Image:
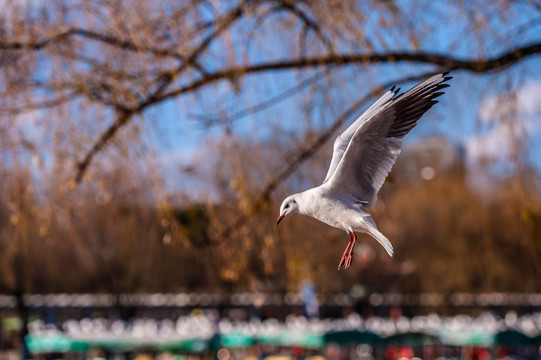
279	219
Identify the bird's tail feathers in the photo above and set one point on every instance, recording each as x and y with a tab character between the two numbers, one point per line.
383	241
374	232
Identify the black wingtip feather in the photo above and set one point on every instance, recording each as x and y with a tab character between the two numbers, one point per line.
412	105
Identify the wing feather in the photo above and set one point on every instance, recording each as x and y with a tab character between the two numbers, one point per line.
359	168
342	141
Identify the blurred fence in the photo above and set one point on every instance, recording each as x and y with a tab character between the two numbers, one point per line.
260	324
149	300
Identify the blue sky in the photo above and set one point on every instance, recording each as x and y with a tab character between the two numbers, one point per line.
174	128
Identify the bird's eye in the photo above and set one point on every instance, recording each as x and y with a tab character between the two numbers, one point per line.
287	205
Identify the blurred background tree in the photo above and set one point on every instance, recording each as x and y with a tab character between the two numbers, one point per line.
145	146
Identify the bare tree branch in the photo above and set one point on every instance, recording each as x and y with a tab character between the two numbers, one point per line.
308	22
221	23
164	80
89	34
447	62
121	119
45	104
210	120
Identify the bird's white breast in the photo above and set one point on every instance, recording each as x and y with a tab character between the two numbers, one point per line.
330	209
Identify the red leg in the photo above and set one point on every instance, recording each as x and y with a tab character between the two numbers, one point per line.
347	254
350	254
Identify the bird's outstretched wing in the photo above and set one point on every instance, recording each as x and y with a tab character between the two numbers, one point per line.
342	141
365	153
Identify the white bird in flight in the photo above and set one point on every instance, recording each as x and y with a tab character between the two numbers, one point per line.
363	156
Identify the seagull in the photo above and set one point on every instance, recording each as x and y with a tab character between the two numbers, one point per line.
363	156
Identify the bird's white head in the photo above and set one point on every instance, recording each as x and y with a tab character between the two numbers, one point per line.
289	206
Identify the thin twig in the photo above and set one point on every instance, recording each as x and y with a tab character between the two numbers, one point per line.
264	105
